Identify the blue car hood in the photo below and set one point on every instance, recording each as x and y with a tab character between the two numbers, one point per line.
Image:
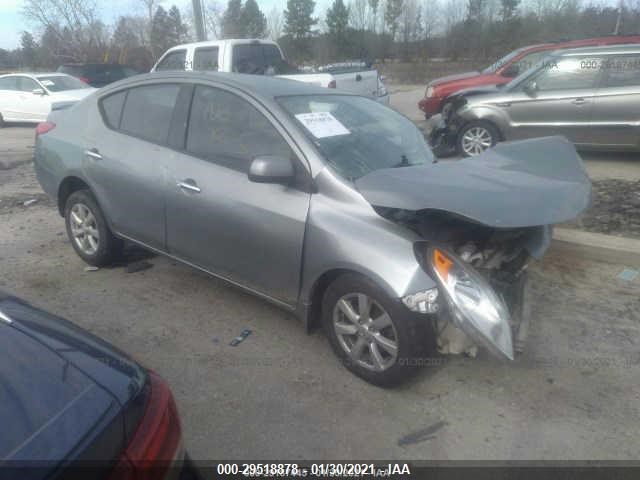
513	185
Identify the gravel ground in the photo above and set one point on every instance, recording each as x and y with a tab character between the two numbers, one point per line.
281	394
615	209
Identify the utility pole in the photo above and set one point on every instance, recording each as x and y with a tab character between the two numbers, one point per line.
198	20
619	20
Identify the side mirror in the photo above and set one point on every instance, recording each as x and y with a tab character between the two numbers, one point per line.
530	89
511	71
271	169
38	91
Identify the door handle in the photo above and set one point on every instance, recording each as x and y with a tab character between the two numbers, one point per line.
579	101
93	153
190	185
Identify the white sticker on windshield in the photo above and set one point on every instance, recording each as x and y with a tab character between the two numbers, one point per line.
322	124
47	83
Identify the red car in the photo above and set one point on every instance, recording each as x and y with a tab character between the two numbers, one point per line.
503	70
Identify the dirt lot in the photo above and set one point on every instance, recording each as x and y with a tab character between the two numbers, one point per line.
281	394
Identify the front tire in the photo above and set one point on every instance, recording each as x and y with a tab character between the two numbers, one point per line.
88	231
476	137
374	335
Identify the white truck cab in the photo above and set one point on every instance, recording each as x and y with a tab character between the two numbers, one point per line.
264	57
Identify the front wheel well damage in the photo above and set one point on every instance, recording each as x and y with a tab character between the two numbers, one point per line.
67	187
314	318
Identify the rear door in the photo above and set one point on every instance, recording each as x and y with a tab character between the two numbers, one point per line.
561	103
616	112
250	233
125	161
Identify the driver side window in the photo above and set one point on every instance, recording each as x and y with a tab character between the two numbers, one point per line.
26	84
225	129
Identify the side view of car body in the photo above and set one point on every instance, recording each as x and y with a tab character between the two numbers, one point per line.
504	70
589	95
28	97
327	204
71	400
97	74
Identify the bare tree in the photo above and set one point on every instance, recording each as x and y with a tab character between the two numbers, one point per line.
358	14
74	22
213	15
275	23
432	17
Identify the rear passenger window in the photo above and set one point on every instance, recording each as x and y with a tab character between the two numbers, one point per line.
206	59
227	130
621	71
112	109
173	61
148	110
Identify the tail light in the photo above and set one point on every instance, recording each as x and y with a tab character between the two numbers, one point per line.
156	443
84	79
332	84
44	127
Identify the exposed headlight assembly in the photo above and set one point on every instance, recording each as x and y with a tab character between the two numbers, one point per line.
476	308
429	92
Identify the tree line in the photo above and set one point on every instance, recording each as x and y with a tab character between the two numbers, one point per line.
409	30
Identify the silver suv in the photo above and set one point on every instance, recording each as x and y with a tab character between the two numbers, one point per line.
589	95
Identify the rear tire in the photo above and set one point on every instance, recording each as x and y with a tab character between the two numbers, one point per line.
476	137
379	340
88	230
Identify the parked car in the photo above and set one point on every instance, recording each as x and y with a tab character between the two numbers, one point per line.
71	400
436	98
327	204
264	57
98	74
589	95
28	97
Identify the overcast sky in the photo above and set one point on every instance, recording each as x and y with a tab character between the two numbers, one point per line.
12	23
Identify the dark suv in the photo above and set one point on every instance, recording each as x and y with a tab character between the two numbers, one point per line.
98	74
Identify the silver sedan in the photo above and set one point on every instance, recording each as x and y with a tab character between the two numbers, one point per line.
327	204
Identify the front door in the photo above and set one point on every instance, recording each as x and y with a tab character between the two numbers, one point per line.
32	106
250	233
558	100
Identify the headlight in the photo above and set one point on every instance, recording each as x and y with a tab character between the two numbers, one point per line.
476	308
429	92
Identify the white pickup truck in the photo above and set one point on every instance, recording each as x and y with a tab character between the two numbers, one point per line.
264	57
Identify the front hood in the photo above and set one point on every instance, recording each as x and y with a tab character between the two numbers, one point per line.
484	90
453	78
513	185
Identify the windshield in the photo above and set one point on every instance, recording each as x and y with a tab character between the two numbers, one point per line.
357	135
60	83
547	62
502	62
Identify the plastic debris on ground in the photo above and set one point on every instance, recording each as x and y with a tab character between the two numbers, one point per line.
240	338
90	268
628	274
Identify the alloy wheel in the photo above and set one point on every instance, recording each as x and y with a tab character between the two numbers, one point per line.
365	332
476	140
84	229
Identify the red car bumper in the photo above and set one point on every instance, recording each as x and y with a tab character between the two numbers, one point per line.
430	106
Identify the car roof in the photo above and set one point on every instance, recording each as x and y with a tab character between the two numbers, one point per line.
265	86
217	43
600	50
32	74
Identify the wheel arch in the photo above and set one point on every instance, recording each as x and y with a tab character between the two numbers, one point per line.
69	185
310	304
